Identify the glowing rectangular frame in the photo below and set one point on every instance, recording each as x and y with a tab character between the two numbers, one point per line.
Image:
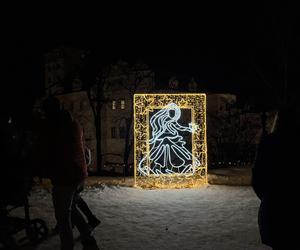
145	103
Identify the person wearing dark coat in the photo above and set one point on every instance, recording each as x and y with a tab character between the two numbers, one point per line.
63	159
274	182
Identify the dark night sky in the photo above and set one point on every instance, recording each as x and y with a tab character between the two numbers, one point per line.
220	47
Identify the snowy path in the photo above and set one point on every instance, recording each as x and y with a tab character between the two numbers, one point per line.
212	218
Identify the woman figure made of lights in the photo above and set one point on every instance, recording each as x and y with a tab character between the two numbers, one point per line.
168	154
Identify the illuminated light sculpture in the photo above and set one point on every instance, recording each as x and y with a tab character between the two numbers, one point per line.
162	140
167	145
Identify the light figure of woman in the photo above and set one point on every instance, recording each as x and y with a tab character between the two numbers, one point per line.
168	153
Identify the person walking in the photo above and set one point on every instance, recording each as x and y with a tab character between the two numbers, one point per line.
64	164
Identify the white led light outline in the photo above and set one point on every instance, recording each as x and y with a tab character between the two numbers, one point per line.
165	127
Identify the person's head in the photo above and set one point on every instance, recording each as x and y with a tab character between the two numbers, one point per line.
51	107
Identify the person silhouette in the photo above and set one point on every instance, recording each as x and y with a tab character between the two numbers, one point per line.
62	148
277	156
92	220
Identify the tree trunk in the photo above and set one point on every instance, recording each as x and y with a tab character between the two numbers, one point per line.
98	143
128	144
99	128
96	109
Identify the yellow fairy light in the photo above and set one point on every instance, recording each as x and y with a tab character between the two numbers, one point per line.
161	155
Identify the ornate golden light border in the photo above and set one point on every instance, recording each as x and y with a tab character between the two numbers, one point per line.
146	103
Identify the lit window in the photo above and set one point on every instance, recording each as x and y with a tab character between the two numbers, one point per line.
113	104
123	104
113	132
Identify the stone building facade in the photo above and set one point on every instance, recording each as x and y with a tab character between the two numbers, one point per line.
227	124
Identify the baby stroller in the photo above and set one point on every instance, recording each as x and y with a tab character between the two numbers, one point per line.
17	196
16	181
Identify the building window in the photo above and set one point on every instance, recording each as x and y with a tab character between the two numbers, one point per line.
113	104
122	104
81	105
113	132
122	132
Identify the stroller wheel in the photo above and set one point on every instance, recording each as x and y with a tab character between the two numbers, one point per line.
37	230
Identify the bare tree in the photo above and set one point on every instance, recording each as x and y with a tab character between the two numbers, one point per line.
95	78
97	99
136	78
128	78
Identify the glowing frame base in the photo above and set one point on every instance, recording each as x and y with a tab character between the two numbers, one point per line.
146	103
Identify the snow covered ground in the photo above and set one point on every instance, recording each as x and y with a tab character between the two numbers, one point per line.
212	218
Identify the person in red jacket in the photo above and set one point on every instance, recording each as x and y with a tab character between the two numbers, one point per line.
92	220
65	165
